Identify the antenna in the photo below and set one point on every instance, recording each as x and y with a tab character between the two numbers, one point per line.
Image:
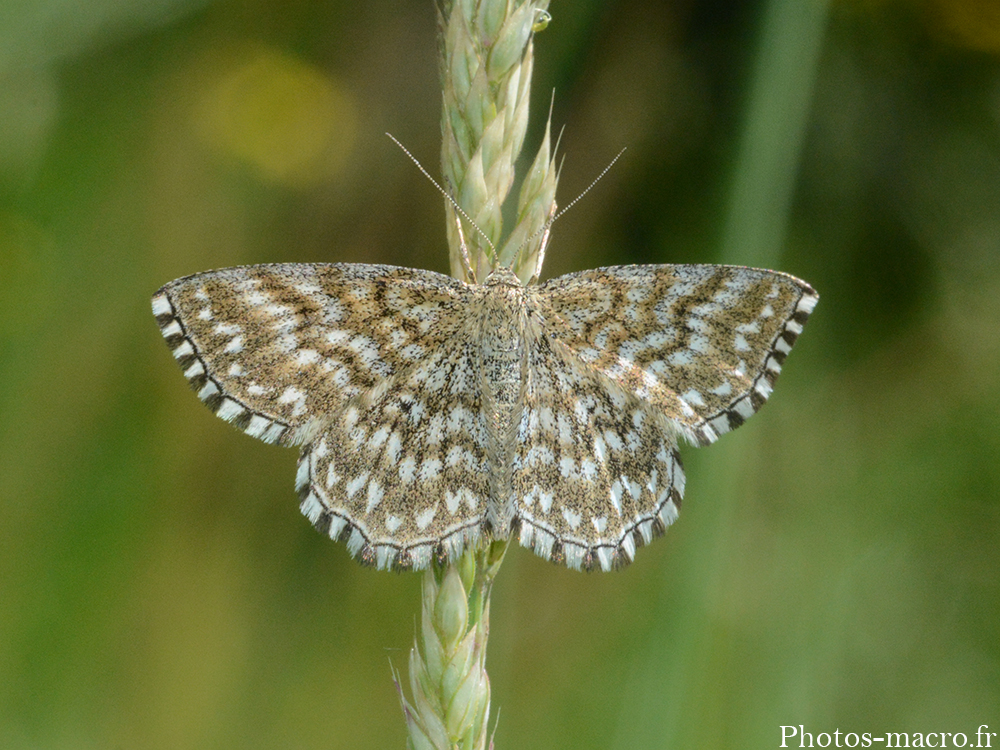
546	228
463	248
589	187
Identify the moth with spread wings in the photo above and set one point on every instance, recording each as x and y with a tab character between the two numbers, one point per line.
434	414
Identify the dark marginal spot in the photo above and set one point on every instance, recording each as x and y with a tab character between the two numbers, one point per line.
283	436
163	319
198	381
366	555
702	435
243	419
439	554
637	537
735	420
303	491
214	401
186	361
513	532
322	524
345	533
619	559
557	556
676	496
659	528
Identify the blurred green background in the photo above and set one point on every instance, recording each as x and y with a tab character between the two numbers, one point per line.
836	561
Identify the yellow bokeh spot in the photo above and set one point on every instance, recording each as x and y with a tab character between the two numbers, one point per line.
974	24
286	118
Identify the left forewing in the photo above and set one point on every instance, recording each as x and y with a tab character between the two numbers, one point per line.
277	349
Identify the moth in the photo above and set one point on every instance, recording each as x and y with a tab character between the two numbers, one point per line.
433	414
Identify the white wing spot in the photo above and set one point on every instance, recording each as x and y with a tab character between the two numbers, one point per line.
424	517
227	329
572	517
338	337
430	469
307	357
693	398
375	495
408	470
296	398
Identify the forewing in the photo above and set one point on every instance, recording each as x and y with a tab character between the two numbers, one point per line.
401	474
596	469
277	349
702	343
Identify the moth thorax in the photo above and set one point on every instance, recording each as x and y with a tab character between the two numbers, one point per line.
503	346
